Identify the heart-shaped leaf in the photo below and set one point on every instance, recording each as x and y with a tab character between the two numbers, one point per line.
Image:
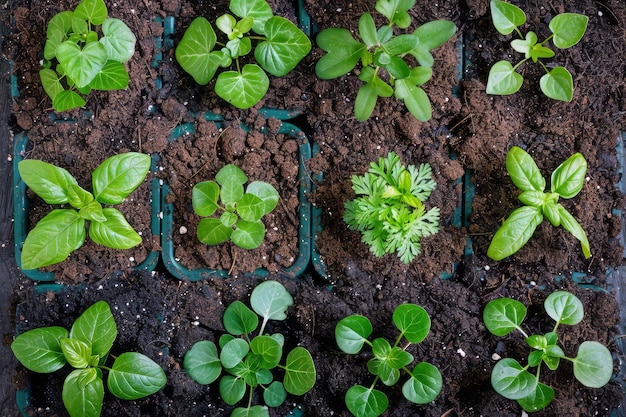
244	89
506	17
558	84
503	315
67	100
284	47
82	65
568	29
351	333
424	385
118	40
112	76
503	80
202	362
195	51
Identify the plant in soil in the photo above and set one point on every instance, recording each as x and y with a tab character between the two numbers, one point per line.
241	211
386	67
86	349
63	230
567	30
424	383
87	58
593	364
567	180
389	211
247	359
278	45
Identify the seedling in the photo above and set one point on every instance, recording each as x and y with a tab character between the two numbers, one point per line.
62	230
567	30
424	383
241	212
386	67
87	58
593	364
567	181
86	349
248	360
390	213
278	47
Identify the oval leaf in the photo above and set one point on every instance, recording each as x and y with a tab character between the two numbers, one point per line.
118	40
76	352
82	399
424	385
523	170
39	349
364	402
234	352
211	231
412	321
275	394
244	89
202	362
300	372
569	177
516	230
114	232
119	175
512	381
48	181
503	315
270	300
266	192
248	235
538	400
204	197
239	319
570	224
134	376
564	307
268	349
232	389
96	327
593	365
351	332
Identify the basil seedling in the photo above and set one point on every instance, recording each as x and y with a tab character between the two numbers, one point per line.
567	181
567	30
248	360
86	348
593	364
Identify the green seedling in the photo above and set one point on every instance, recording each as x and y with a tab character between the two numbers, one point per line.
567	29
593	364
278	47
86	349
390	212
248	360
84	58
241	212
424	383
386	67
62	230
567	180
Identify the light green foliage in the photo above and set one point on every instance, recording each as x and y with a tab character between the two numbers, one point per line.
240	210
62	231
593	364
567	180
567	30
389	211
424	383
87	58
247	360
278	47
86	348
381	50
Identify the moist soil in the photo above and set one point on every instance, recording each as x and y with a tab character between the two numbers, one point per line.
465	142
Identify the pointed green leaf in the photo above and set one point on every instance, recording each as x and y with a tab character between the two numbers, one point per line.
558	84
506	17
259	10
569	178
48	181
94	11
82	65
516	230
50	82
115	232
415	99
351	332
134	376
503	315
39	349
96	327
523	170
244	89
396	11
367	30
424	385
568	29
284	47
58	27
503	80
570	224
202	362
67	100
119	175
113	76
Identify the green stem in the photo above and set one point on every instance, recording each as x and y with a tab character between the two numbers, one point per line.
547	39
519	63
547	72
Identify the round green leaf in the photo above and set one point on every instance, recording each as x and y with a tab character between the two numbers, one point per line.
232	389
243	89
82	65
503	80
204	198
259	10
239	319
538	400
503	315
268	349
412	321
195	51
39	349
364	402
211	231
424	385
569	177
93	10
270	300
248	235
254	411
134	376
300	372
81	398
118	40
202	362
119	175
568	29
593	365
115	232
516	230
52	240
67	100
250	207
284	47
266	192
506	17
558	84
48	181
234	352
351	332
564	307
275	394
512	381
96	327
112	76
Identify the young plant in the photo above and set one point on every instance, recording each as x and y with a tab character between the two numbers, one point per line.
390	213
88	58
278	47
567	30
386	67
424	383
241	212
62	230
247	359
86	348
593	364
567	180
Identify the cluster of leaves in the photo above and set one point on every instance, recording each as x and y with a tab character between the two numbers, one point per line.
75	50
86	348
567	30
280	46
593	364
424	383
248	360
390	212
240	220
381	49
567	180
62	230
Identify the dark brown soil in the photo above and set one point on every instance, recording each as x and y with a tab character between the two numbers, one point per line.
467	138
